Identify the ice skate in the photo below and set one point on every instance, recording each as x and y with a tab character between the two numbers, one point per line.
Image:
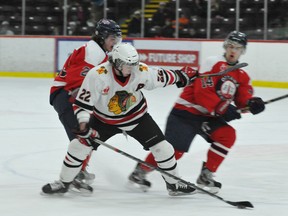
56	187
138	177
85	177
180	189
80	187
206	181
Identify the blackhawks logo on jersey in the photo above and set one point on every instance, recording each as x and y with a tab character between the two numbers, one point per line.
102	70
143	67
121	102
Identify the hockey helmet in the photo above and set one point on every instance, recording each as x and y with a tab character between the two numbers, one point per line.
236	37
106	27
124	54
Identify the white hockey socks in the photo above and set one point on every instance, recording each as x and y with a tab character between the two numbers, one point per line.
163	153
77	153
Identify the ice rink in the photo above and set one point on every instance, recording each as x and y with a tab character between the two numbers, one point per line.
33	145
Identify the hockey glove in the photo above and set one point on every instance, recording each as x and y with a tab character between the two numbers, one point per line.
87	134
231	113
256	105
185	76
222	107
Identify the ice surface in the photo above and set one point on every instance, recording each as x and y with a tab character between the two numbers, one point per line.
33	145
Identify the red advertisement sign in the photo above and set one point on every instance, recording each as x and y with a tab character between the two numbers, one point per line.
169	57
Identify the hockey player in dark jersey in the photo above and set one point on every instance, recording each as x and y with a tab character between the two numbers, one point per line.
204	108
67	83
109	102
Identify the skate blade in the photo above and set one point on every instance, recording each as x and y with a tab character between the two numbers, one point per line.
213	190
81	191
88	181
179	193
52	195
137	187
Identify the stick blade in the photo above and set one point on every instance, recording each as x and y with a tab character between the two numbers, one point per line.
241	204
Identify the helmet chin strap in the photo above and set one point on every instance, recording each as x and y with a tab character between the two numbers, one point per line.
119	71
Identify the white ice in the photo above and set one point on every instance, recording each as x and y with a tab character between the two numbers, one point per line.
33	145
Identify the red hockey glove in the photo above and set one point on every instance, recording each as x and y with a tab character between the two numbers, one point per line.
185	76
256	105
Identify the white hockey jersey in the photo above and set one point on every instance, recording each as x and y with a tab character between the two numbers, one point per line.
114	102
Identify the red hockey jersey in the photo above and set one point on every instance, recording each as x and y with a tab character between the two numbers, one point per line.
77	66
205	94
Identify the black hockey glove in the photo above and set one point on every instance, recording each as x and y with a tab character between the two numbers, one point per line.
231	113
185	76
256	105
88	134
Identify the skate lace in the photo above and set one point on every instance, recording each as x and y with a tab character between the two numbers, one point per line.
139	174
181	185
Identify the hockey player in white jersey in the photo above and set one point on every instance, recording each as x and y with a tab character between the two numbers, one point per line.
111	92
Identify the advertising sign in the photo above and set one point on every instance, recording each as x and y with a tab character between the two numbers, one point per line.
169	57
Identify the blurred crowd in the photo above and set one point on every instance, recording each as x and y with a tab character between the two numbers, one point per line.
46	17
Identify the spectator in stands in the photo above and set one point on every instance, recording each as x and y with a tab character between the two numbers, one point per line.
216	10
167	29
198	8
73	28
134	27
160	16
183	21
5	28
91	22
97	8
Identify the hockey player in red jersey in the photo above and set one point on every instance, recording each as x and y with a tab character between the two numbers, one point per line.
111	92
68	81
204	108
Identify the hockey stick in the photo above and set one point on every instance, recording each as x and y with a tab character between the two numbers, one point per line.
237	66
266	102
276	99
239	204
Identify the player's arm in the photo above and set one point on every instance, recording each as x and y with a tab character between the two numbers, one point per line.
160	77
245	96
205	95
83	108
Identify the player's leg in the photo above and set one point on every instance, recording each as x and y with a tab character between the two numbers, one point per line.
151	137
63	107
76	154
181	129
78	150
222	137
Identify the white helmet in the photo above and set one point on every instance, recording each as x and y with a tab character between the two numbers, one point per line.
124	54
